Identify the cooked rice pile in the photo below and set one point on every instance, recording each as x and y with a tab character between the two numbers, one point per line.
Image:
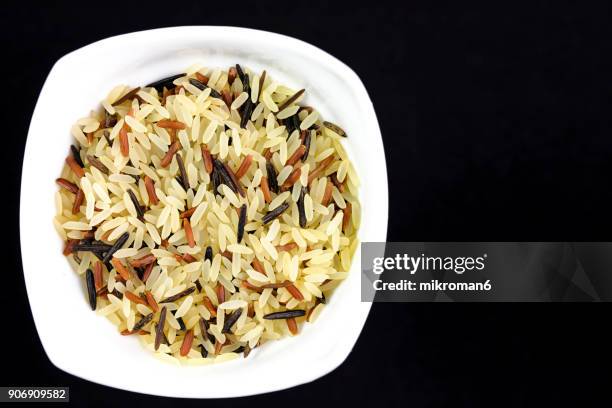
210	212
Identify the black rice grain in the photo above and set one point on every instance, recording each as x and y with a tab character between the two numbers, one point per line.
301	210
182	173
247	111
335	128
202	87
139	210
287	314
91	289
208	255
292	99
270	215
231	320
159	330
179	295
272	182
91	247
117	294
76	154
203	328
181	323
165	82
117	246
241	222
97	164
143	322
109	120
216	180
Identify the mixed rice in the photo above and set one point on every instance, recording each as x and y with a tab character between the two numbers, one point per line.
209	211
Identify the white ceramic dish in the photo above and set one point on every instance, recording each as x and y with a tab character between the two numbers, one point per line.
88	346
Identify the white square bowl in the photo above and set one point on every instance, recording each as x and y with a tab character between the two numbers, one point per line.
88	346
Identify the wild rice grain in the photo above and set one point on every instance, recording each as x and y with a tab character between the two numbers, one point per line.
335	128
159	330
203	328
301	209
234	179
292	99
182	173
117	246
137	206
147	272
142	322
270	215
241	222
91	289
287	314
231	320
76	154
179	295
271	173
167	83
97	164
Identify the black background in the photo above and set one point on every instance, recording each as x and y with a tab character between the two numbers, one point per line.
497	126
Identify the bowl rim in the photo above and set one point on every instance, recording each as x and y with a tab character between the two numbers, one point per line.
382	209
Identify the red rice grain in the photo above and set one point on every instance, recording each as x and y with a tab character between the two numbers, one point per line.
292	325
188	232
295	292
170	124
167	159
187	342
74	166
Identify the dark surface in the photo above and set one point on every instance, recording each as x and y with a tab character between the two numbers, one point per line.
497	127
